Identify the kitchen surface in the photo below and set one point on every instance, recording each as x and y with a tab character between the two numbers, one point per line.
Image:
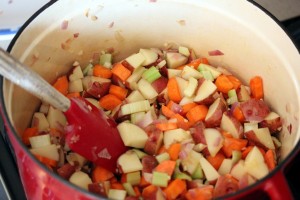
13	15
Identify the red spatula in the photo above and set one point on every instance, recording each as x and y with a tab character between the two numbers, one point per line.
89	132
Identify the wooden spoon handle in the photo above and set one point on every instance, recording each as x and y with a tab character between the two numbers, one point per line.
32	82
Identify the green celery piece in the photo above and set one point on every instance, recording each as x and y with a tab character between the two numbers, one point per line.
87	69
215	73
129	189
151	74
105	58
198	173
232	97
162	157
180	175
236	156
207	75
139	153
160	179
183	176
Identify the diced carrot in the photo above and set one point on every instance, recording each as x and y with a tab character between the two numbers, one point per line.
118	91
149	191
117	186
166	166
246	151
29	132
235	81
238	114
200	193
180	67
143	182
166	126
223	84
169	104
109	102
166	111
185	125
174	150
256	87
62	85
100	174
121	72
73	94
195	63
175	188
173	90
270	159
161	150
231	144
226	134
187	107
113	180
101	71
197	113
217	160
46	161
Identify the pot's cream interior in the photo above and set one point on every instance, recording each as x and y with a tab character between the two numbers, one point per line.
252	42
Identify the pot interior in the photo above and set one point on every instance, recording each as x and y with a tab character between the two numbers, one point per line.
73	30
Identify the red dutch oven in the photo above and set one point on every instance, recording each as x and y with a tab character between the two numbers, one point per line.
64	31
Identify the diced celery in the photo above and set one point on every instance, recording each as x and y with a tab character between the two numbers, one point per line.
207	75
133	178
183	176
215	73
232	97
188	72
198	173
236	156
135	77
87	70
106	59
162	157
139	153
151	74
160	179
129	189
134	107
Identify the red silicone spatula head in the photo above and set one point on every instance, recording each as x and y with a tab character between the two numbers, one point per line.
93	135
89	132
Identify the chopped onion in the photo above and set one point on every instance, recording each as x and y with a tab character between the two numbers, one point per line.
64	25
215	53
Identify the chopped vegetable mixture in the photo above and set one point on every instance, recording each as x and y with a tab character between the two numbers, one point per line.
194	131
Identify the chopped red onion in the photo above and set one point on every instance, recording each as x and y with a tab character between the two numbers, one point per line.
64	25
215	53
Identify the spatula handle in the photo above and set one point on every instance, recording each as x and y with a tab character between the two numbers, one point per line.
32	82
